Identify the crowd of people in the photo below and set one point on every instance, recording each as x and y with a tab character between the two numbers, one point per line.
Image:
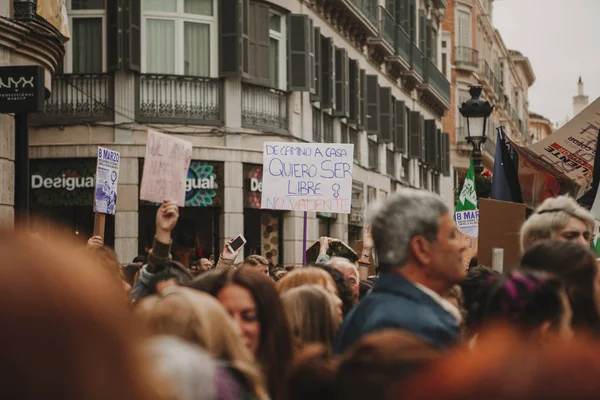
77	325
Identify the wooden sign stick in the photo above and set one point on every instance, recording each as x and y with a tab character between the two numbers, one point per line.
99	223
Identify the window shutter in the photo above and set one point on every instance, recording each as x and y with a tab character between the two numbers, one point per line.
328	73
422	134
430	143
299	61
262	43
438	150
113	35
316	96
400	128
385	115
133	45
414	138
311	56
446	153
402	14
429	39
372	105
354	92
231	13
362	104
422	30
412	20
341	83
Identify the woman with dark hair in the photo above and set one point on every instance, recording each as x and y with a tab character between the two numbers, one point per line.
254	304
577	267
534	303
473	288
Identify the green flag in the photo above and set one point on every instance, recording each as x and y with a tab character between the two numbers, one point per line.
468	197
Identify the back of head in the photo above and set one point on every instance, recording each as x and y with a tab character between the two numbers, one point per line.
342	286
550	218
313	374
577	267
404	215
506	366
312	315
371	366
473	289
255	260
304	276
67	332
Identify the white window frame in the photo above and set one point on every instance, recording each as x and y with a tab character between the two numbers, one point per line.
469	37
180	19
281	39
74	14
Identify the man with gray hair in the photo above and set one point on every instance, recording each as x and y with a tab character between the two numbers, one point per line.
420	259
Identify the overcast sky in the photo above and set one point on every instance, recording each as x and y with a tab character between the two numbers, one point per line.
560	38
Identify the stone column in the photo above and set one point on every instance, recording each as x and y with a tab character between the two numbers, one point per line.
293	227
7	171
232	216
126	217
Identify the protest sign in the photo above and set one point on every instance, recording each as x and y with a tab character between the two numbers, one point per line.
472	247
307	176
562	163
500	227
107	177
166	165
468	222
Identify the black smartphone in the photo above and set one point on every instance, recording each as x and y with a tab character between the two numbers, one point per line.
238	242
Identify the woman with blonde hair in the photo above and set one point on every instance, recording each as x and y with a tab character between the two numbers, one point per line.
312	314
558	218
310	276
200	319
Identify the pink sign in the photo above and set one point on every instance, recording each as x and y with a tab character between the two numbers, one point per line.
166	165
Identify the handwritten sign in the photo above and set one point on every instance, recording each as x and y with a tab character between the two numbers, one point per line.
166	166
307	177
107	176
472	247
468	222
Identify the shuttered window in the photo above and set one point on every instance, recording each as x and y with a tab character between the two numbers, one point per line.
354	92
446	154
317	132
422	30
431	145
317	76
401	15
385	115
422	134
440	150
362	115
342	93
301	53
327	128
400	127
414	138
328	73
123	35
372	105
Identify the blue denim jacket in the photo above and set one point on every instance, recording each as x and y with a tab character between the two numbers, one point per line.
397	303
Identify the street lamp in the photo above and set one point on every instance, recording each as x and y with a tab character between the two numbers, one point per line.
476	111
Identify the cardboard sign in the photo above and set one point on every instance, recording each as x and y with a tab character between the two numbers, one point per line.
472	247
166	165
107	177
500	226
307	177
468	222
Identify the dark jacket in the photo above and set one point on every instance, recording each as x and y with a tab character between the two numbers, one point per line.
157	258
397	303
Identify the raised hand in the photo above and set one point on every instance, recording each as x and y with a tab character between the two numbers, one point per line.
166	219
95	242
227	254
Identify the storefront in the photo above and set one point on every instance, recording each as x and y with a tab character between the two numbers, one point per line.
263	229
197	232
62	195
357	211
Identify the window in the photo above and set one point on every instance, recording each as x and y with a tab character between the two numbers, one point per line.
353	138
327	128
317	125
405	169
277	66
436	183
373	155
461	131
445	64
177	37
463	38
371	195
86	51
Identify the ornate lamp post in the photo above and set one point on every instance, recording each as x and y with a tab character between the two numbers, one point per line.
476	111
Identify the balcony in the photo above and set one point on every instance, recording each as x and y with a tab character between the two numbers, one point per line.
401	56
488	78
435	85
364	13
384	41
179	99
466	58
264	108
78	98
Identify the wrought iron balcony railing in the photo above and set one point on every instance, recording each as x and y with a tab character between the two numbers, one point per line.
437	80
387	27
264	107
416	59
179	99
403	47
368	8
466	56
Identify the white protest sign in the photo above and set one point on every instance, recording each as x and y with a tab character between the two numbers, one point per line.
307	176
107	177
468	222
166	165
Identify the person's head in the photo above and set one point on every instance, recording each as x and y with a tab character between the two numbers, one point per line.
67	331
473	289
130	273
199	318
506	366
253	302
171	273
140	260
257	263
278	273
310	276
379	360
577	267
350	273
195	268
413	228
312	314
343	288
558	218
534	303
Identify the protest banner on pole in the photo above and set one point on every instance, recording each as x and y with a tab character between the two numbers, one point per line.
166	165
307	177
105	195
468	222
